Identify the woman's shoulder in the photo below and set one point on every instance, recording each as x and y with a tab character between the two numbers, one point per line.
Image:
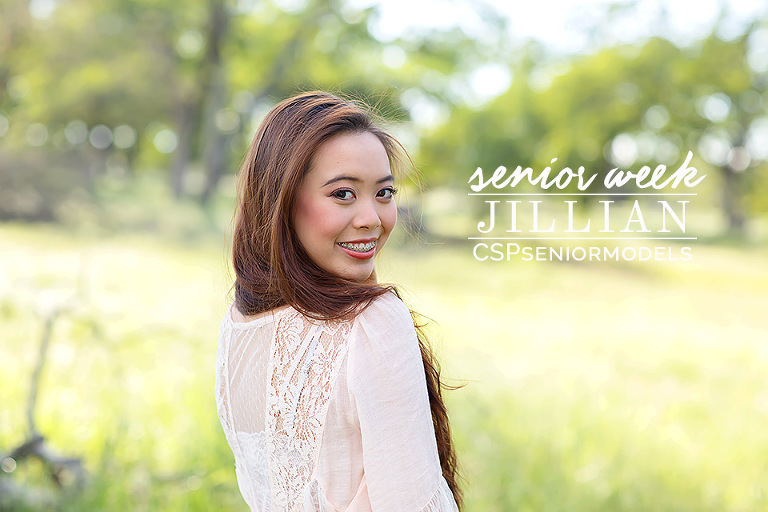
386	317
383	342
388	306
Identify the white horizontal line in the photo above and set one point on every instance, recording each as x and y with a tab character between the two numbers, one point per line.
580	194
596	238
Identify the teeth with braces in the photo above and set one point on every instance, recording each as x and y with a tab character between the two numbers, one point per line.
359	247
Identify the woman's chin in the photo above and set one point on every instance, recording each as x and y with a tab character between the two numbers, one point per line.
361	275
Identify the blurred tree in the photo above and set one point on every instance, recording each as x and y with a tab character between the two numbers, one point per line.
151	84
83	90
148	84
728	101
625	106
14	24
329	45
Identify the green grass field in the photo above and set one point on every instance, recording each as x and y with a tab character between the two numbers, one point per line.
589	387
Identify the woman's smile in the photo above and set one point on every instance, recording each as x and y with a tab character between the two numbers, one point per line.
360	249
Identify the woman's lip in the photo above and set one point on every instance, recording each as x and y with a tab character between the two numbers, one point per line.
360	241
359	255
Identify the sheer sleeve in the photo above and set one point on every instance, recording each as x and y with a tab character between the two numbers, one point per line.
388	390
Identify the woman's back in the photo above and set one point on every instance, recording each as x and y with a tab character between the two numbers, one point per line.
330	415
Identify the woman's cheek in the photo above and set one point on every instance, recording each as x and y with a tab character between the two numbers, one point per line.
391	217
332	219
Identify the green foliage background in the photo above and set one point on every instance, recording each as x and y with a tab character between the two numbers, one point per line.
629	386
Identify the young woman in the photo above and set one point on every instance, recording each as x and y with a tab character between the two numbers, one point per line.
327	395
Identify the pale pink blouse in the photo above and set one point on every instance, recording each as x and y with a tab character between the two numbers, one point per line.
330	415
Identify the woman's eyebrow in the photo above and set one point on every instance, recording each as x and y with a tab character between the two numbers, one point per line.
352	178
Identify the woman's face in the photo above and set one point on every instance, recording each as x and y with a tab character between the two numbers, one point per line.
344	208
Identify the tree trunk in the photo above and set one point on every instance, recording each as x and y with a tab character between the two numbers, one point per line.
216	141
186	128
214	98
733	202
217	159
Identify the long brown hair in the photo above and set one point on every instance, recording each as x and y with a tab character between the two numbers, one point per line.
272	268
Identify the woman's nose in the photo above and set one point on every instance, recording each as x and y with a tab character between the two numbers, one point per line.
367	215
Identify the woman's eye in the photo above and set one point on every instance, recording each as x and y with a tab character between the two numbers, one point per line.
343	194
387	193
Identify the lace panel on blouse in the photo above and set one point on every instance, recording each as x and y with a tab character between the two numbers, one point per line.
304	361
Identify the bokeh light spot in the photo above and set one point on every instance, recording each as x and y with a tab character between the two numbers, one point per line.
8	465
393	56
125	136
227	120
714	107
165	141
624	150
656	117
190	43
36	134
76	132
100	137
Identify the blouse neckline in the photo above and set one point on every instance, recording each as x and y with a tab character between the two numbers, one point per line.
270	317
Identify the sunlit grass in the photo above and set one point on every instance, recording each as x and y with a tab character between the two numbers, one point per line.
604	387
591	387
